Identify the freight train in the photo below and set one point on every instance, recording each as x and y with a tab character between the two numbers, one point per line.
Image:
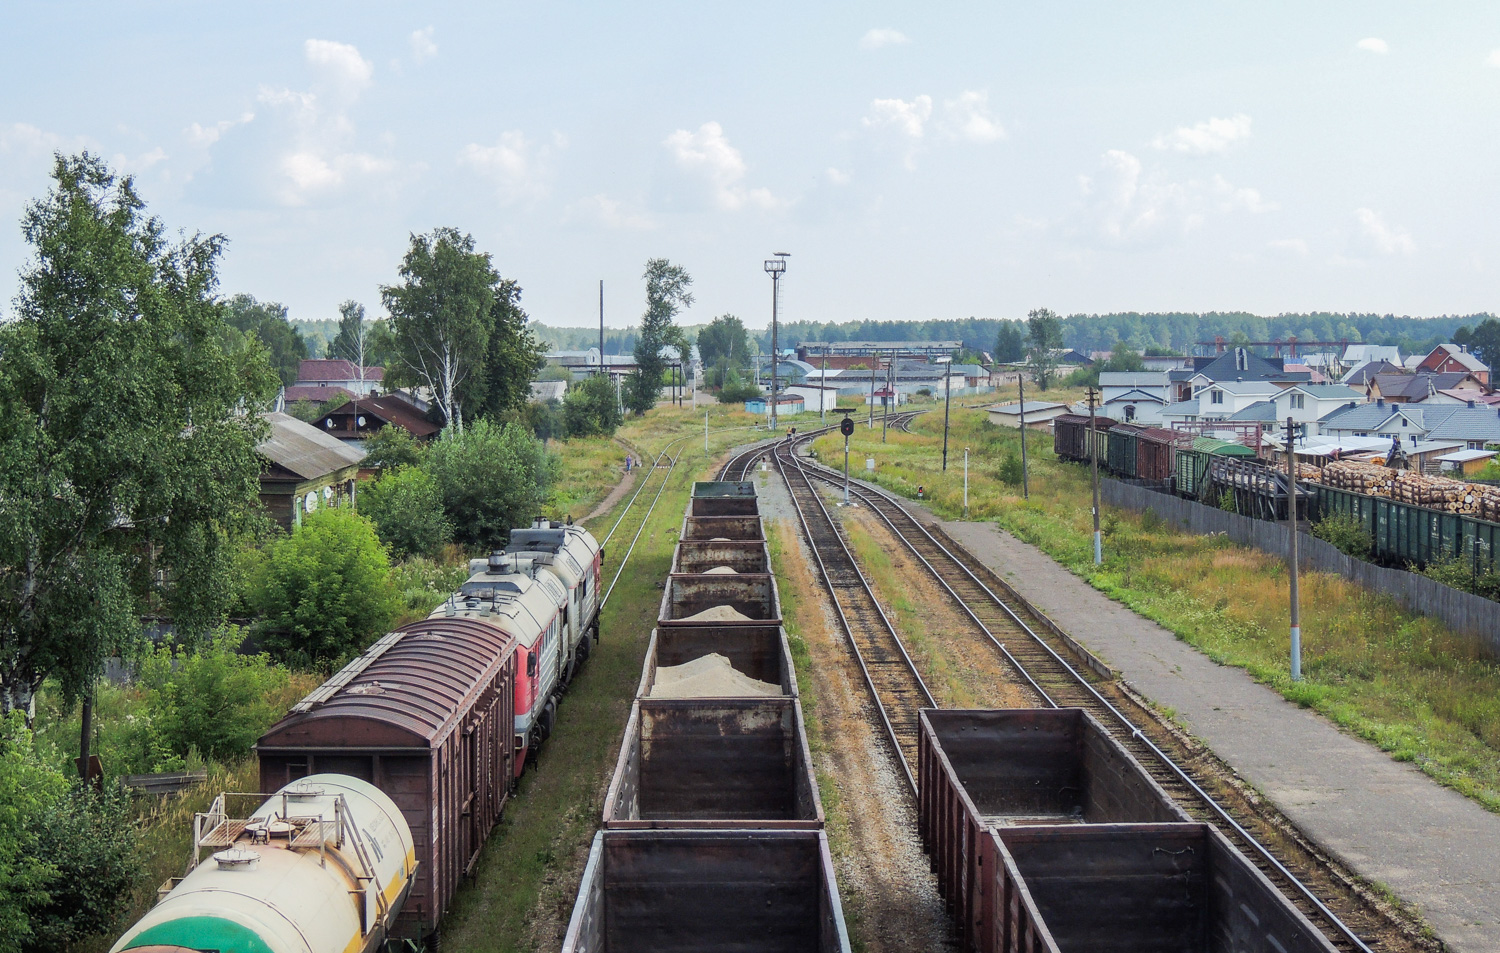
391	774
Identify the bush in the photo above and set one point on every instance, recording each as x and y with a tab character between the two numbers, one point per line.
211	702
423	584
1226	502
90	840
590	408
1461	573
544	419
1345	531
736	390
1010	469
325	590
492	478
407	510
28	787
391	447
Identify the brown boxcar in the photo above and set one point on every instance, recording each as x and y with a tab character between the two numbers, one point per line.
759	651
723	527
1070	435
723	506
427	716
714	763
708	892
1156	452
701	555
1133	888
752	596
982	769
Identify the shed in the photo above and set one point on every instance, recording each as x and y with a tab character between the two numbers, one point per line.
1038	412
785	404
426	715
305	468
1465	462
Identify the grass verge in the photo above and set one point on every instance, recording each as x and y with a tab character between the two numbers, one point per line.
1402	681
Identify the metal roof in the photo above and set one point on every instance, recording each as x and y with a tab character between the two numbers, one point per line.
420	680
1133	379
304	449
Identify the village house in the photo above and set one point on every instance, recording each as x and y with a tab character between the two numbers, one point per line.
304	469
363	417
334	372
1455	357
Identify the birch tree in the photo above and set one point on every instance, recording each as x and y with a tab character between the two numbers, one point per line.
352	343
127	461
440	315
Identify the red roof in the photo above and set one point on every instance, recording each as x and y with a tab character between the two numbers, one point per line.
333	369
314	393
388	410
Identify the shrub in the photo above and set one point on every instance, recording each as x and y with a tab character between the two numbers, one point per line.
423	584
590	408
90	840
492	478
1010	469
211	701
736	390
28	787
544	419
1226	502
325	590
1463	574
391	447
407	510
1345	531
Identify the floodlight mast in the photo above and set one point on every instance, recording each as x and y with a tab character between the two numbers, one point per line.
775	267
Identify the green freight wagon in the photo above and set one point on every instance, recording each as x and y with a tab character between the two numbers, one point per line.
1192	462
1122	450
1407	534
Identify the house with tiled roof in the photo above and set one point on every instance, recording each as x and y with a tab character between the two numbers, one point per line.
335	372
1421	386
1455	357
1472	426
1362	373
1236	364
363	417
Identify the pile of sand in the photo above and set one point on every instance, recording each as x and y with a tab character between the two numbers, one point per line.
721	571
710	676
721	539
719	614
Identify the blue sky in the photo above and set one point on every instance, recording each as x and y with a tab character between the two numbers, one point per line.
918	161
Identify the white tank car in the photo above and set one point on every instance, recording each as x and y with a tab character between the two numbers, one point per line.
510	591
573	555
322	866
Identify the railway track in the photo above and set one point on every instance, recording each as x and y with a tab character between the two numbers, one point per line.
1042	663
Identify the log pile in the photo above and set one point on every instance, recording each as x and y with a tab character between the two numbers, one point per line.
1308	473
1436	493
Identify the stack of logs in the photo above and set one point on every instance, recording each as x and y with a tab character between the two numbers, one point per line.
1437	493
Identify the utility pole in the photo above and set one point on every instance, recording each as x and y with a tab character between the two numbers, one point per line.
823	383
775	267
1094	464
875	357
601	325
885	418
966	482
1291	514
947	399
1021	388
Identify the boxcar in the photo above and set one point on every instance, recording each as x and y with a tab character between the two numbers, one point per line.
730	763
759	651
426	716
1133	888
1192	463
1122	455
1070	435
751	596
1156	453
982	769
701	555
723	527
708	892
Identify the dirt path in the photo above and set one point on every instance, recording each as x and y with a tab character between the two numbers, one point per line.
618	493
890	896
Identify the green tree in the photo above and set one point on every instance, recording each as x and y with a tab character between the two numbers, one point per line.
590	409
28	787
391	447
493	478
407	509
325	590
736	389
90	839
125	454
441	315
1044	336
666	295
1010	343
724	343
1483	339
545	419
353	343
266	321
513	357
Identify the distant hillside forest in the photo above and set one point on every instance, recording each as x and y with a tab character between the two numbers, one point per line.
1176	332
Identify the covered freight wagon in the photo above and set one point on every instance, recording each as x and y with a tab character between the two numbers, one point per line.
1122	453
1192	463
1070	435
1156	453
426	715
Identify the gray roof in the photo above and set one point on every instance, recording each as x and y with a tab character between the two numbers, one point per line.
1132	379
304	449
1359	353
1261	410
1032	407
1436	422
1181	408
1245	387
1463	357
1415	387
1329	391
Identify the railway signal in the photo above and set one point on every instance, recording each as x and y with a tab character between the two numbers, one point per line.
846	427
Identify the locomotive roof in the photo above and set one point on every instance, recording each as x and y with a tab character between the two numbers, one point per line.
409	689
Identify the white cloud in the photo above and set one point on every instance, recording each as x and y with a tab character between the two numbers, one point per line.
708	154
341	62
520	169
1211	135
881	37
1376	237
1373	44
907	118
608	212
1493	59
968	117
26	138
1289	246
836	176
1126	204
422	46
208	135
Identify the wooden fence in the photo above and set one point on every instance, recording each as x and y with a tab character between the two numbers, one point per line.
1464	612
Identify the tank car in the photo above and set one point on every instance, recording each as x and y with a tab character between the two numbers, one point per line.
573	555
321	866
515	593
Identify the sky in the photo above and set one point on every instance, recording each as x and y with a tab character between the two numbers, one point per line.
916	160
